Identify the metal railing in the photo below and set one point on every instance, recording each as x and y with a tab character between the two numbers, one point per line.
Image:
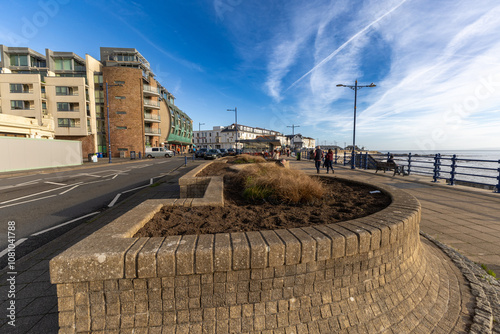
451	168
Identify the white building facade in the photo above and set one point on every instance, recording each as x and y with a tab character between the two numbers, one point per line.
231	137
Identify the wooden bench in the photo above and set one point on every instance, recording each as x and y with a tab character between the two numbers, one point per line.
385	166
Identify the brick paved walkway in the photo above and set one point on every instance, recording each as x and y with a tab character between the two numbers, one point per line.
467	220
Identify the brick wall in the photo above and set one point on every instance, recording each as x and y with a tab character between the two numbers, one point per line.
367	275
126	116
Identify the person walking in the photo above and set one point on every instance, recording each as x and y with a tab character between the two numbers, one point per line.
329	161
318	156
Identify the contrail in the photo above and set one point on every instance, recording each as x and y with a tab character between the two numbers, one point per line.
340	48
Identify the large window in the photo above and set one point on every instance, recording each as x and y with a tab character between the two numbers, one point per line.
66	106
19	88
63	90
68	122
64	64
36	62
19	60
20	105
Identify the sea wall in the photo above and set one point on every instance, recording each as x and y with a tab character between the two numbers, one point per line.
363	274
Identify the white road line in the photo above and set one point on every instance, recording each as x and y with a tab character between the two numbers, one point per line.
86	174
114	177
17	243
31	200
64	192
28	183
66	223
113	202
42	192
57	184
151	180
127	191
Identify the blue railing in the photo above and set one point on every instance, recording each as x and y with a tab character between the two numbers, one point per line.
450	168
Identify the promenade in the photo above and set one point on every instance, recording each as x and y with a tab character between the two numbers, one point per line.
465	219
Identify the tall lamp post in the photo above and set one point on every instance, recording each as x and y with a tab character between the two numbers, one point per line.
199	126
236	125
107	108
355	88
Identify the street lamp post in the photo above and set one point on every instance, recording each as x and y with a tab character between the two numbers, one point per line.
199	126
355	88
107	108
235	124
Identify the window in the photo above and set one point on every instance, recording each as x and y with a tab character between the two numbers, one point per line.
120	82
120	97
19	88
68	122
63	64
36	62
121	128
19	60
66	106
20	105
61	90
121	112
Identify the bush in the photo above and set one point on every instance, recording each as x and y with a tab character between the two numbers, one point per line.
272	183
247	158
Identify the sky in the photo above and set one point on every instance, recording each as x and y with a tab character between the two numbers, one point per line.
435	64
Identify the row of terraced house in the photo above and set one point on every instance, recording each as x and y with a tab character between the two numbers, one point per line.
60	95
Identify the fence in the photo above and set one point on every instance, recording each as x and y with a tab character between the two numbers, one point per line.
451	168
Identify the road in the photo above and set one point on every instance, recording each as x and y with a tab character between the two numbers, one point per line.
38	204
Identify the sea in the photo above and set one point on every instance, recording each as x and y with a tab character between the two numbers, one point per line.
478	166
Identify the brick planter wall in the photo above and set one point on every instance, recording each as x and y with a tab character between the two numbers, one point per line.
318	279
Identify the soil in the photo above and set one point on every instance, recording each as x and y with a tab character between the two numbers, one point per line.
343	201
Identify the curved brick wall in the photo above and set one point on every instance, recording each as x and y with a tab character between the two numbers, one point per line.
369	274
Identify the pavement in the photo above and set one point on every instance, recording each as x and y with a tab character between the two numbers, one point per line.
464	223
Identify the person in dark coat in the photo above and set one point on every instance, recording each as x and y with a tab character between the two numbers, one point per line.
329	161
318	156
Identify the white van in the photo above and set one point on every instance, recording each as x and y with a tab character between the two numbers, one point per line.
153	152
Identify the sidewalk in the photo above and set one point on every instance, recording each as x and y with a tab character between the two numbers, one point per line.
464	218
36	298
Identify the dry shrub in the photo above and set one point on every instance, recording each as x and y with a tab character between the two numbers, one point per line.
247	158
276	184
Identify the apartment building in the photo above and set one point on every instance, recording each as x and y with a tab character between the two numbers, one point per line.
64	97
240	136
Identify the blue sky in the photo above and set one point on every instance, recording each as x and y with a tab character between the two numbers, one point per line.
435	63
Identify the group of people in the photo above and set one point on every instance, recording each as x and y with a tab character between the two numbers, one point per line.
326	159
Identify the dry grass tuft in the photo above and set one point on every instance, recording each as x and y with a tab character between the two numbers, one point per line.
247	158
272	183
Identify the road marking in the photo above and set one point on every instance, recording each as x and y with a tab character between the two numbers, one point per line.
57	184
17	243
28	183
64	192
127	191
114	200
66	223
42	192
31	200
87	174
151	180
114	177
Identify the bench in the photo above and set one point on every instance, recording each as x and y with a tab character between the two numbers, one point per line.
385	166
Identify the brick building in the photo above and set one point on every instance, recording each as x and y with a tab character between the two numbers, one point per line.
64	96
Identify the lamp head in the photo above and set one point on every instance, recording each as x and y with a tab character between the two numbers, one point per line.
372	85
340	85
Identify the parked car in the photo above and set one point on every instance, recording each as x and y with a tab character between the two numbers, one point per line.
212	154
153	152
200	153
223	151
231	151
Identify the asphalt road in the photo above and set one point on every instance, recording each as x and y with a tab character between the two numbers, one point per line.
33	206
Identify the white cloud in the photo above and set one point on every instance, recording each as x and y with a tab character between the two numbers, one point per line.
436	70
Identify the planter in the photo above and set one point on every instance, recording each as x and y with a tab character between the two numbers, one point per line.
321	278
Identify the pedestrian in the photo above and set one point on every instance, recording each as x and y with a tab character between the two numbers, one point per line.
318	156
178	151
329	161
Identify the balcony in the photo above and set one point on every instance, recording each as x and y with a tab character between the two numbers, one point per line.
150	91
151	104
152	132
152	118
